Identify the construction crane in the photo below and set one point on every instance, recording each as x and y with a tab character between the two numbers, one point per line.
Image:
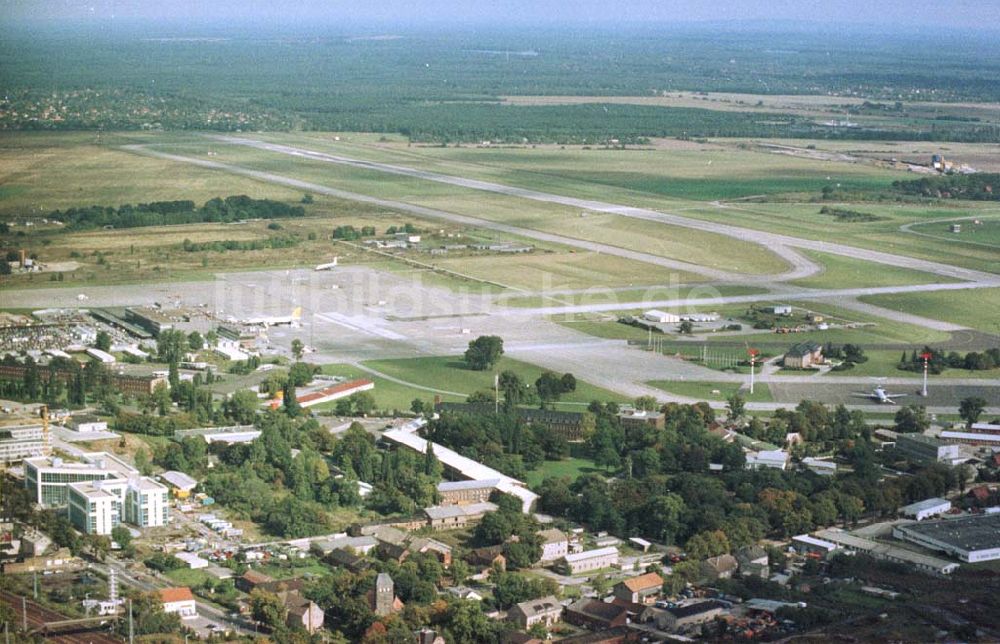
43	412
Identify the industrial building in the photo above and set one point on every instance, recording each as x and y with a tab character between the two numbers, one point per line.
970	539
926	449
335	392
885	551
979	435
926	508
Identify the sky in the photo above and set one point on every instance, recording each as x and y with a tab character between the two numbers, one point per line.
890	14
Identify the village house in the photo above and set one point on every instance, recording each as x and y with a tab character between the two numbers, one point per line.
545	611
643	589
803	355
180	601
595	615
555	545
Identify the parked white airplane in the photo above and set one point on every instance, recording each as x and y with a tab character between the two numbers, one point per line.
276	320
326	267
881	395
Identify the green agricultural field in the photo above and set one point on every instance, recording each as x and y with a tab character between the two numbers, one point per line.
449	373
707	390
846	272
388	394
976	309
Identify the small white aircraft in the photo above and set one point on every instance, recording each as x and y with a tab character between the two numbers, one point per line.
328	266
879	394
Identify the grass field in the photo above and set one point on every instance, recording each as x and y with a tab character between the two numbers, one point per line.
683	179
707	390
987	232
976	309
880	331
845	272
882	363
572	468
188	577
702	248
388	395
449	373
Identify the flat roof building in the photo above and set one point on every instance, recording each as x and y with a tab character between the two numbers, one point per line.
970	539
926	449
19	442
777	459
48	476
888	552
926	508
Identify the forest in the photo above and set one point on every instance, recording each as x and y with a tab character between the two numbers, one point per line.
441	85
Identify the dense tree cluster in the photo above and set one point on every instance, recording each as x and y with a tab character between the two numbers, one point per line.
160	213
938	360
980	186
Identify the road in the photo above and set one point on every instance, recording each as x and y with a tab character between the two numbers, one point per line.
147	584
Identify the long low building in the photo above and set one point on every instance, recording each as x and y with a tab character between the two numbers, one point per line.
18	442
590	560
334	392
923	563
978	439
461	465
454	517
970	539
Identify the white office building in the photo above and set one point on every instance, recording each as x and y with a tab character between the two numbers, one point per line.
20	442
95	506
147	503
48	477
